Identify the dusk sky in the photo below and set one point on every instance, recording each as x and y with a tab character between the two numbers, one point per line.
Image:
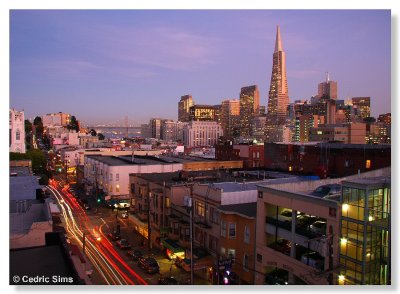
104	65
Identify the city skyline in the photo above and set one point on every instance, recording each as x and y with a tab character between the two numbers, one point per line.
112	60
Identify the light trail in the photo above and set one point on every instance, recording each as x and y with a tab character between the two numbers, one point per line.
101	253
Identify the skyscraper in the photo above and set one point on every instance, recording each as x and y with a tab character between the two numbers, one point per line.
278	92
230	114
249	107
327	89
184	108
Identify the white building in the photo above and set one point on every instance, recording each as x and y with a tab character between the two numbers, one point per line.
76	157
65	137
202	133
17	131
111	173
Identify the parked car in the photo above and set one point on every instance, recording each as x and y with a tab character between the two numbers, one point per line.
285	216
283	246
313	259
114	236
167	281
327	190
123	244
318	227
149	265
135	254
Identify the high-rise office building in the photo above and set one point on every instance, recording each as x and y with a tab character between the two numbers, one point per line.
363	106
327	89
278	98
230	113
203	113
249	107
184	108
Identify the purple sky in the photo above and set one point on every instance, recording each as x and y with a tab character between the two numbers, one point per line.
104	65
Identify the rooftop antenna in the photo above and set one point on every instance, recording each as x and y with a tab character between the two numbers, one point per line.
327	77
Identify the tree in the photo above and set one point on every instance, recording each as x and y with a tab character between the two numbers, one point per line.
101	136
93	132
28	134
73	124
37	122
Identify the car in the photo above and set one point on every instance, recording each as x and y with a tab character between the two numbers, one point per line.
327	190
149	265
135	254
114	236
167	281
285	216
283	246
318	227
123	244
313	259
305	220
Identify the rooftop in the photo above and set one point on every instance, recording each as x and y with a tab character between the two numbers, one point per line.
23	187
376	181
230	181
246	209
20	171
126	160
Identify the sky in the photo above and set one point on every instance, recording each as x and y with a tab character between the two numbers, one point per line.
103	65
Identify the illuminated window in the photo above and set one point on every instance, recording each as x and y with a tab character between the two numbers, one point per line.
368	163
117	188
290	168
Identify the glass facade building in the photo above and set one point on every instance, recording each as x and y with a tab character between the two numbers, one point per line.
365	232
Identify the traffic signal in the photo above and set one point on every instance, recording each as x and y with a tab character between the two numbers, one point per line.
98	200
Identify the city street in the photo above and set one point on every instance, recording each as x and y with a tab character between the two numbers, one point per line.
111	264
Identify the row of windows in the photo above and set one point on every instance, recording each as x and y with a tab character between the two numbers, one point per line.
231	228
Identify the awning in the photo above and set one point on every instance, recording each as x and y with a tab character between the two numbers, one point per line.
171	245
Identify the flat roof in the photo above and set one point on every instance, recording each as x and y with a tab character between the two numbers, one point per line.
228	181
23	187
126	160
336	145
20	170
246	209
375	181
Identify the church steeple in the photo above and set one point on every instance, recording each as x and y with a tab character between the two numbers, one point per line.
278	41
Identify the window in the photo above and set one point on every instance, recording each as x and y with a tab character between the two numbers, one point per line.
111	178
199	209
111	188
223	228
246	262
232	230
259	257
117	177
167	202
368	163
132	188
246	234
18	135
231	253
214	215
117	188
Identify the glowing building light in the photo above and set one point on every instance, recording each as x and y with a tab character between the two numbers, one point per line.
341	278
345	207
343	241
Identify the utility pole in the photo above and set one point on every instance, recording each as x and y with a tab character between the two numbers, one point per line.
148	224
84	242
189	206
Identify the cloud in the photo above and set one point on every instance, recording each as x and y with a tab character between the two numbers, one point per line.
162	47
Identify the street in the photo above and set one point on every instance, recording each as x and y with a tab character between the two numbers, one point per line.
89	229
